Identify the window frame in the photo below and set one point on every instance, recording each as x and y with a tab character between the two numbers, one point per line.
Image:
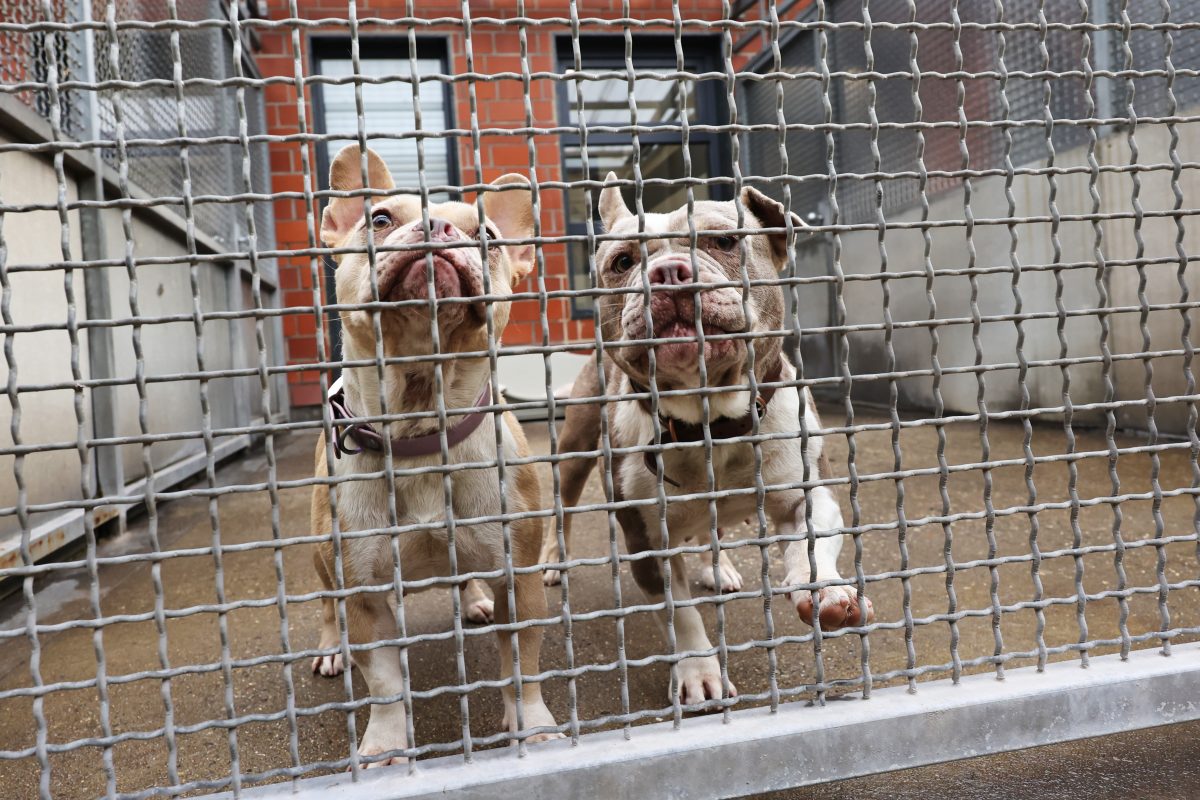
607	52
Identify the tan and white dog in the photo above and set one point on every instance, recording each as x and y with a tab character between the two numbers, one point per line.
671	269
408	387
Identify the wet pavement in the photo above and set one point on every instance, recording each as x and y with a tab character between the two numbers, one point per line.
1158	763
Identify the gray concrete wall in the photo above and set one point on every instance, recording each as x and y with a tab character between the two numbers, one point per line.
167	348
1162	281
909	300
45	356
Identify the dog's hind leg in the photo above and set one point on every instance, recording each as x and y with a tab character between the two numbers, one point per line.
731	579
331	664
477	603
580	433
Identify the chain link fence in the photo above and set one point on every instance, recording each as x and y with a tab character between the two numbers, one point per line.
912	277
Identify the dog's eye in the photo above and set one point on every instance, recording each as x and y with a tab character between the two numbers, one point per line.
491	233
622	263
381	220
725	243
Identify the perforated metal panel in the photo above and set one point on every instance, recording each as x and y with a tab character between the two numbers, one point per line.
27	57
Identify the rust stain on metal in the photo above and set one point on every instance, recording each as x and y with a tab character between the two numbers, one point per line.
38	548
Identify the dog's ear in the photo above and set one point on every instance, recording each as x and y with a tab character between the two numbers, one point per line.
771	214
612	204
345	175
512	212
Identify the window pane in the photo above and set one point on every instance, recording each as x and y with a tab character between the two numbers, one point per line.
388	108
581	274
606	102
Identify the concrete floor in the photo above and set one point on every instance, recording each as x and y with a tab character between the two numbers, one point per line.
1160	763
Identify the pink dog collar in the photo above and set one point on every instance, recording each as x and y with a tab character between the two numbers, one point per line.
367	438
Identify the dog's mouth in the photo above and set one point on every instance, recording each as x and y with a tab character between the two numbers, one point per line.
673	317
686	329
673	314
406	276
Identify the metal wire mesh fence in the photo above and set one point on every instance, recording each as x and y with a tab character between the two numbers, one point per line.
915	278
146	62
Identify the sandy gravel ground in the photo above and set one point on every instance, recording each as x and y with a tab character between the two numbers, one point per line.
1160	763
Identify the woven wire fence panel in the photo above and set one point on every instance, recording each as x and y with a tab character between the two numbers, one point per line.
143	56
1026	53
982	208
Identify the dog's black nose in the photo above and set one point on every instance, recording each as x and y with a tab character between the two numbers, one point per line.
440	229
672	273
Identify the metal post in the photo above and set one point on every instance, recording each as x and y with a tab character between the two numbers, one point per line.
110	471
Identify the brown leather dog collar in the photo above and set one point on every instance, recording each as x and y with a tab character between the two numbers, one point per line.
367	438
674	430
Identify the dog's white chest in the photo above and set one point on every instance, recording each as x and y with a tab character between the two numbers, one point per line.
422	500
733	465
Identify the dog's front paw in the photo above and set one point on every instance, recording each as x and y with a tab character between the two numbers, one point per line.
552	577
328	666
385	734
699	679
839	607
534	714
731	579
365	753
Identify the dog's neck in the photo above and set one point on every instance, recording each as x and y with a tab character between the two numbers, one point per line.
731	404
410	388
691	408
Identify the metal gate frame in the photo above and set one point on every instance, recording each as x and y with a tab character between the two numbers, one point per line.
757	750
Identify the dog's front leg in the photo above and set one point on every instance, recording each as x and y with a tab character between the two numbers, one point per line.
838	605
370	619
697	678
530	598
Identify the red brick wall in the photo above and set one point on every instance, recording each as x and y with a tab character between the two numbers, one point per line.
500	105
